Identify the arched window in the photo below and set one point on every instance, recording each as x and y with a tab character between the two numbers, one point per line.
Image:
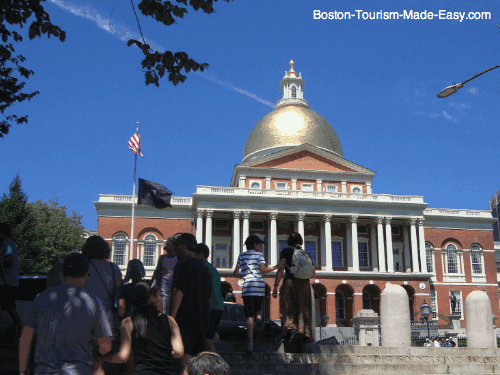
366	301
476	256
340	305
120	248
429	257
294	92
452	264
149	257
356	190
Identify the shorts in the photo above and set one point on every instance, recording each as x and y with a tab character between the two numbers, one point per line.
8	295
214	320
253	305
193	340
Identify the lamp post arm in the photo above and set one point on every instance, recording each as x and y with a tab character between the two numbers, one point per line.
479	74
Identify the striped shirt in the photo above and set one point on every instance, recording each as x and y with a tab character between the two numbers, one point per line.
249	262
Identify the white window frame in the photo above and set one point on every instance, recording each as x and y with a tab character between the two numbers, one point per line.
127	248
315	240
307	185
433	261
214	255
481	261
434	304
457	293
251	182
341	240
335	188
364	240
357	186
453	277
141	244
217	221
277	183
399	246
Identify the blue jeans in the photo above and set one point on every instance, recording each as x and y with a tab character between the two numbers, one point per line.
166	294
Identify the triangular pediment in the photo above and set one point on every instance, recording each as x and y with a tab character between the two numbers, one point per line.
307	157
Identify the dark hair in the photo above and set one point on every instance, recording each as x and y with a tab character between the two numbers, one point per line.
142	310
208	363
75	265
187	239
295	239
202	248
96	248
135	271
5	228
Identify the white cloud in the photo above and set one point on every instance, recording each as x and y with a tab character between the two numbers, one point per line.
473	90
123	33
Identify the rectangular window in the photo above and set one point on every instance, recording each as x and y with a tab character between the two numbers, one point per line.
395	230
257	225
362	229
434	304
337	254
452	260
149	253
221	224
331	188
477	264
363	254
311	250
428	258
119	252
281	185
221	255
307	187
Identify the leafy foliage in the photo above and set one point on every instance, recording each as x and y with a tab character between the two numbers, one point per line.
43	232
17	13
12	73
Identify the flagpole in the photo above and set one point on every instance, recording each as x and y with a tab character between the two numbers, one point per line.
133	203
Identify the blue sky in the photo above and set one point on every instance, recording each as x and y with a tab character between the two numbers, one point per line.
375	81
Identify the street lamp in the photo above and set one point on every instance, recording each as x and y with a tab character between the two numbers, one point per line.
450	90
425	311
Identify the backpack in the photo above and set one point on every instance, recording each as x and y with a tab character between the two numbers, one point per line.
302	267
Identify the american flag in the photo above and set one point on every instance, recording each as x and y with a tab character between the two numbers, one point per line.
134	144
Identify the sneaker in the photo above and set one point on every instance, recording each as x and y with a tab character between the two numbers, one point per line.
249	348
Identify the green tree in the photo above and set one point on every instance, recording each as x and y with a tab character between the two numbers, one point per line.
17	14
43	232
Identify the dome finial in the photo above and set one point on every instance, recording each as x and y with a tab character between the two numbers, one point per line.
291	72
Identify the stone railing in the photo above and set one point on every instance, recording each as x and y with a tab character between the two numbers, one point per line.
218	190
111	198
464	213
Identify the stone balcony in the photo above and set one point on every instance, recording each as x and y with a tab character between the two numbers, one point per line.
114	198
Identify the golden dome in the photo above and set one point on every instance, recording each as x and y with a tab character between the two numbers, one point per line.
290	125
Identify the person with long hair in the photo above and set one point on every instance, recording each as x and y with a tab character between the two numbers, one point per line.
135	274
152	337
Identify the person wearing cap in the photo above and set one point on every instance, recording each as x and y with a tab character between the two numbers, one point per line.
253	265
191	292
67	322
164	273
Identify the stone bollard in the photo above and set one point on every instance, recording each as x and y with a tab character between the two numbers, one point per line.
395	317
478	320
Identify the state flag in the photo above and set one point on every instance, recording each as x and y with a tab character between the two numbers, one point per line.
153	194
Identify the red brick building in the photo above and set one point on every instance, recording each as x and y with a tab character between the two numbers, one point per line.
293	177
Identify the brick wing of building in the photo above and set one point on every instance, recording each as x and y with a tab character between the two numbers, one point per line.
293	177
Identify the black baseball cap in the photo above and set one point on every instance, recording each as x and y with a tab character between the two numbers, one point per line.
185	238
252	239
75	265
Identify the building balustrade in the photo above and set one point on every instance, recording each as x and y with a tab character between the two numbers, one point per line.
440	211
111	198
217	190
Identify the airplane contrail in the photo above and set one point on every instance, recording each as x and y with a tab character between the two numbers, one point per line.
124	34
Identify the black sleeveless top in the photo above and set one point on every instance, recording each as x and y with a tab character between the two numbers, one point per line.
153	355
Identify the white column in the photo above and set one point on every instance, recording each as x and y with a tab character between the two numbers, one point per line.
300	226
246	228
328	242
407	249
242	181
318	184
199	226
381	247
354	242
414	246
369	188
273	239
388	240
322	245
348	235
421	243
236	236
344	187
268	182
294	184
373	242
208	234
